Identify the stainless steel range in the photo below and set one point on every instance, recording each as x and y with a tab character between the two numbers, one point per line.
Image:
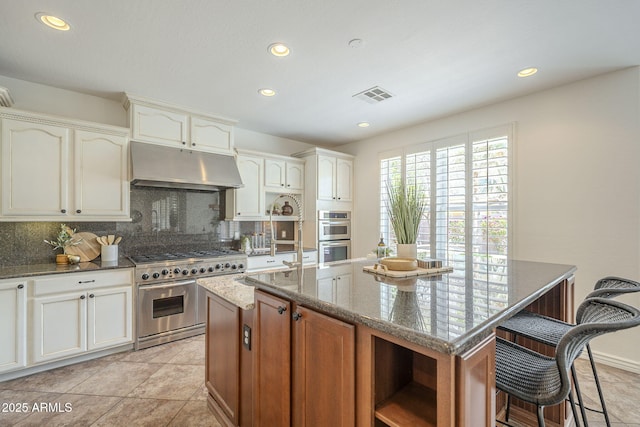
170	304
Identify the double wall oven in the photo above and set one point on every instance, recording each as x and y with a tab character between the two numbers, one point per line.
170	305
334	235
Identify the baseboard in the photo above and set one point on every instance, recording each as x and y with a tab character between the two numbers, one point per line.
614	361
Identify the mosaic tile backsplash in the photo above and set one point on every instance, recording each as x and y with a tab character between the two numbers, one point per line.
163	220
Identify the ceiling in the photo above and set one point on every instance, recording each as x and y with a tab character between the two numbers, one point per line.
435	57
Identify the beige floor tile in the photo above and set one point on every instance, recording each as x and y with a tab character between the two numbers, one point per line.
201	393
140	412
190	353
178	382
195	414
71	409
20	404
157	354
57	380
116	379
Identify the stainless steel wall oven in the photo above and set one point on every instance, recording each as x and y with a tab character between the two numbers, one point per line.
334	235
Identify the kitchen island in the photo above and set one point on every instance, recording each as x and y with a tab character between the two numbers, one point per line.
382	351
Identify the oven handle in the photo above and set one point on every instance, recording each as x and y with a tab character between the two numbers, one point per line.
331	243
168	285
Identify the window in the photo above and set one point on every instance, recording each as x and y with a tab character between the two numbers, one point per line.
465	180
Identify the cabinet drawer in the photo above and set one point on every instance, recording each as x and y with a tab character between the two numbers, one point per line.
48	285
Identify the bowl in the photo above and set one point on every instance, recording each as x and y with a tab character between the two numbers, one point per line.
400	264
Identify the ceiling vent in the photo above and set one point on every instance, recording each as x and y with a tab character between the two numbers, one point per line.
373	95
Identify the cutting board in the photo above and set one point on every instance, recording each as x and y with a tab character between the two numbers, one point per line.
88	249
417	272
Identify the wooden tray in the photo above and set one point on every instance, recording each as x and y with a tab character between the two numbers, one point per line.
88	249
380	270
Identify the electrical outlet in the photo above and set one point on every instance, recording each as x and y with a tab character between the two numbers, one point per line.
246	336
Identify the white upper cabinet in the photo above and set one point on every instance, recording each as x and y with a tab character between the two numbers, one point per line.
102	188
56	169
247	202
158	126
281	174
335	179
164	124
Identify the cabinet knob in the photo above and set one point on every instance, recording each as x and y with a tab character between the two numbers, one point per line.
193	144
91	295
78	211
296	316
63	210
333	198
184	142
288	185
21	286
281	309
82	297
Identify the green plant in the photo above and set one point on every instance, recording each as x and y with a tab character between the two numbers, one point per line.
406	208
64	239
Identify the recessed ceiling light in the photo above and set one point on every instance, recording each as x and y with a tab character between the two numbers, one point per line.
279	49
364	124
527	72
267	92
52	21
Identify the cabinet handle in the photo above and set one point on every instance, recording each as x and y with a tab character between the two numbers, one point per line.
281	309
296	316
184	142
281	185
193	144
288	185
63	210
20	286
78	211
82	297
91	295
86	281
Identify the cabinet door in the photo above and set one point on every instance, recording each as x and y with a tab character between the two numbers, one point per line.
34	169
344	180
13	320
272	361
274	173
323	370
158	126
326	177
223	355
295	176
249	200
109	317
101	181
212	136
59	326
343	290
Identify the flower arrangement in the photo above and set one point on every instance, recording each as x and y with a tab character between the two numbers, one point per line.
64	239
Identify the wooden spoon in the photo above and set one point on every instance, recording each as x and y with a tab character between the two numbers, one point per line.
117	240
110	239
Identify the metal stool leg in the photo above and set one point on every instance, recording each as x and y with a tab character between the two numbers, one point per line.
597	380
540	416
573	408
506	412
580	402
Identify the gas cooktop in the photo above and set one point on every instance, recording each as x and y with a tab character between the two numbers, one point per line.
180	256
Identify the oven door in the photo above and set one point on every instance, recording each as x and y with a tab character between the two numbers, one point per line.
338	250
334	229
166	307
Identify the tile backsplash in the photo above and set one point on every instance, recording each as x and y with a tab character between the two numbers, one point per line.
163	220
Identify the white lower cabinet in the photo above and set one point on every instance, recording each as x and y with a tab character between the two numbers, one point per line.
268	262
80	312
13	321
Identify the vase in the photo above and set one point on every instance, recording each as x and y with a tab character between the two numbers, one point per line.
407	250
287	209
62	259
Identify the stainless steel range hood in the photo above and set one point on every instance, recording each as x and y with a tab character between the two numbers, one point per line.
167	167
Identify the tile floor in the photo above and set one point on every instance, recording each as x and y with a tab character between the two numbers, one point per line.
164	386
158	386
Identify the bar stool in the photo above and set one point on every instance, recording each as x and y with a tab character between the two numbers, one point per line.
544	380
548	331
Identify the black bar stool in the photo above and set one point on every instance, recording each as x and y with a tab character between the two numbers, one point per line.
548	331
544	380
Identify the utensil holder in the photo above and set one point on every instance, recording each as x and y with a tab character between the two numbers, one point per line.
109	252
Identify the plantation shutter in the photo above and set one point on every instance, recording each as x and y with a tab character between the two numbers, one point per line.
390	171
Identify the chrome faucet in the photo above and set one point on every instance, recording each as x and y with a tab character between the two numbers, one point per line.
274	241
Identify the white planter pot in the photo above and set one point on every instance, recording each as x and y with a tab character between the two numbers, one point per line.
407	250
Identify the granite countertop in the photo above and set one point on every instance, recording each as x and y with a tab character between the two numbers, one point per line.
230	289
28	270
449	313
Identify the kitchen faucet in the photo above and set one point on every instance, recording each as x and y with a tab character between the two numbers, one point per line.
274	241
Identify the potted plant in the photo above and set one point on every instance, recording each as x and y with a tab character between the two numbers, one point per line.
63	241
406	207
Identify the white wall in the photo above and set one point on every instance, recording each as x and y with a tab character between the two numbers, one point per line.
577	178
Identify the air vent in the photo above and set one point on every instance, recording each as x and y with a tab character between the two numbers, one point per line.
373	95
